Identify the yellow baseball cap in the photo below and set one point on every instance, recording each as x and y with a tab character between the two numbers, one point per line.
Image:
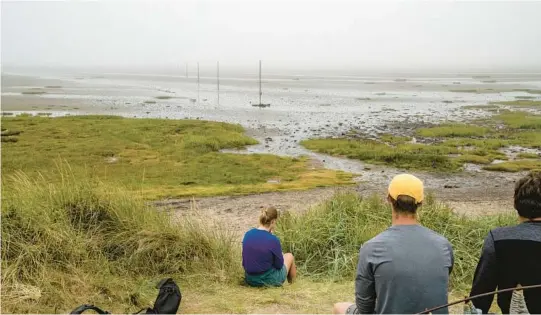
406	184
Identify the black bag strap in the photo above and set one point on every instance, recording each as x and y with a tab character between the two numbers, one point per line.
147	309
84	307
162	282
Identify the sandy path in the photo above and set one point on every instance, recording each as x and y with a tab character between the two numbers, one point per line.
239	213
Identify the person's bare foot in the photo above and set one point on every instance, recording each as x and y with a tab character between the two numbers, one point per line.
290	279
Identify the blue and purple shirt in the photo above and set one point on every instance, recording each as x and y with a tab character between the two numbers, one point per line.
261	251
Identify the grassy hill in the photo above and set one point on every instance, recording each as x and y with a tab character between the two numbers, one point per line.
83	241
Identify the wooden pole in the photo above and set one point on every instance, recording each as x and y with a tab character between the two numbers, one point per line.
198	83
218	80
518	288
260	82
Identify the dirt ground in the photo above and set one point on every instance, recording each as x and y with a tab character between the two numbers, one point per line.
239	213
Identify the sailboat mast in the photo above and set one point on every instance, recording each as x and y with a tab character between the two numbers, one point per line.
260	82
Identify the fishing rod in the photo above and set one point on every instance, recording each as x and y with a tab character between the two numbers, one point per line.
481	295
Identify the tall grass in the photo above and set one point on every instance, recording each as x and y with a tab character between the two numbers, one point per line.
56	235
81	241
326	240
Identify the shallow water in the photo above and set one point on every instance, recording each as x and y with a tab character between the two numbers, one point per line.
301	106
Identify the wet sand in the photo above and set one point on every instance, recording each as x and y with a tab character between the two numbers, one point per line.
301	107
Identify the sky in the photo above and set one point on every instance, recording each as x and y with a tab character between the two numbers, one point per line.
289	34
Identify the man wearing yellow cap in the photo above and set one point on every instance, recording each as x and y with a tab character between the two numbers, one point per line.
405	269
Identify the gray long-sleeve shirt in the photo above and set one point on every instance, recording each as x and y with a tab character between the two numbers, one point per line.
403	270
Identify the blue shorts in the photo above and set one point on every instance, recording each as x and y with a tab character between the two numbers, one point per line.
272	277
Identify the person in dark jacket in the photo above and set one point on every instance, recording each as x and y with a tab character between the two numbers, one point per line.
511	256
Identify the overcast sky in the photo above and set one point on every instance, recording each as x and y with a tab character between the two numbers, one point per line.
282	33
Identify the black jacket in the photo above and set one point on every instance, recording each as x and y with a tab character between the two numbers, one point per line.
511	256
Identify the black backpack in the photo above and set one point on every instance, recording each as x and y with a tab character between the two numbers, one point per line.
167	302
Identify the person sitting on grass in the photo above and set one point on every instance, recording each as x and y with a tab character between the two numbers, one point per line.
511	255
262	258
405	269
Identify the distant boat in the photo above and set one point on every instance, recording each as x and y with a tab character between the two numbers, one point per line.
261	105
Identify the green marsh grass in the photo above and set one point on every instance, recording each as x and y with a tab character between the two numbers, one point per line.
453	130
478	91
33	92
482	144
527	139
404	155
520	103
527	155
393	140
159	157
449	146
485	107
531	91
520	120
